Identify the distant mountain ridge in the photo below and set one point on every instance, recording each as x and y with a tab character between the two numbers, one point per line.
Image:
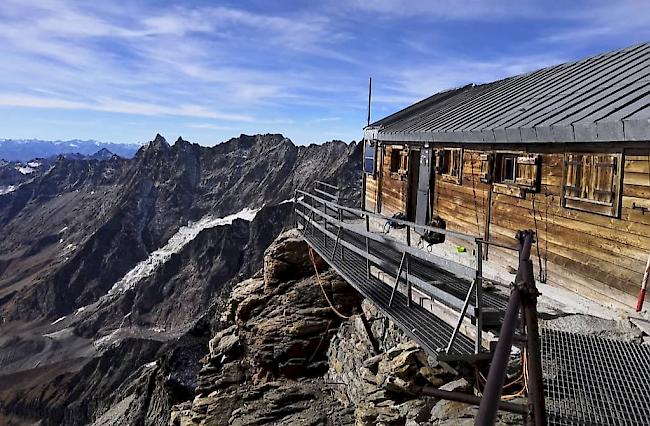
110	268
27	149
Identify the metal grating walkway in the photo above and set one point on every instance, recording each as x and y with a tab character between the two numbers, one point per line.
595	381
588	380
426	329
444	280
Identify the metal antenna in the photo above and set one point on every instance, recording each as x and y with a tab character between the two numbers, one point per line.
369	96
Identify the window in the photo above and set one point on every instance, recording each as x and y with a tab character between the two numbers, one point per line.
450	163
592	183
508	168
369	162
515	174
398	163
527	172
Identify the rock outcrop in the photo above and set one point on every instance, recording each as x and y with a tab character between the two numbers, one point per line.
267	365
282	356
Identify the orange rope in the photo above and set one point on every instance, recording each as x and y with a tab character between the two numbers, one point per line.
320	283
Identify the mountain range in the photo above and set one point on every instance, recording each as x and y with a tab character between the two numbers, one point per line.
28	149
110	264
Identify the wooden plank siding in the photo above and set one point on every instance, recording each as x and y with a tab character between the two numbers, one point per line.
593	254
394	190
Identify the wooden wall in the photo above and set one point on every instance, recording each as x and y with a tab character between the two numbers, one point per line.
599	256
608	251
393	191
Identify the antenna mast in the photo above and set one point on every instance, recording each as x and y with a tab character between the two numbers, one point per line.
369	96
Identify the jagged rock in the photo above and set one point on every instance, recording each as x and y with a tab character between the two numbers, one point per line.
78	226
224	342
275	336
288	259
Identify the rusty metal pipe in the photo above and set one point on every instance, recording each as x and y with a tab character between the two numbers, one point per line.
489	404
465	398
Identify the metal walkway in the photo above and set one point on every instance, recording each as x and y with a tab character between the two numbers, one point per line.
588	380
595	381
444	280
430	332
377	266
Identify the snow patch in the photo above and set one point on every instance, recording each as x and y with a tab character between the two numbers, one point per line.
290	200
58	321
150	364
7	189
24	170
34	164
65	228
181	238
80	310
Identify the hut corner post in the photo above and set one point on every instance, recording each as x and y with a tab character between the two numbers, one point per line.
523	295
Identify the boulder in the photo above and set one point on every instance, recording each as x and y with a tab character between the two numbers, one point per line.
288	259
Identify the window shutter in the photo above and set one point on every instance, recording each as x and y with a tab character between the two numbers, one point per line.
573	167
591	183
487	168
404	163
604	171
527	171
454	170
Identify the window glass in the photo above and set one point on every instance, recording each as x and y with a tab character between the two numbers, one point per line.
395	160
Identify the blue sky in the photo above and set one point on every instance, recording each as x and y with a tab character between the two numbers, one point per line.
122	71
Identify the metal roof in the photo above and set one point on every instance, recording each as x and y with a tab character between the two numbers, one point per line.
602	98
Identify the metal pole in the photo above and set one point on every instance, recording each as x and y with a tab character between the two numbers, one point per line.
478	289
369	97
336	242
487	411
408	235
461	317
525	277
294	219
408	283
465	398
367	246
399	272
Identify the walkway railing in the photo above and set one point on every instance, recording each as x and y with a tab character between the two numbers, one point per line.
317	211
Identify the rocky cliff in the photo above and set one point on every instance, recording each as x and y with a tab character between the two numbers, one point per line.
292	348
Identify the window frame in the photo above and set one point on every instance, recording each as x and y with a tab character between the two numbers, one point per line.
399	162
514	186
444	165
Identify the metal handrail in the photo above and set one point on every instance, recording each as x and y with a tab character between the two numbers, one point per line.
473	274
456	268
320	182
362	213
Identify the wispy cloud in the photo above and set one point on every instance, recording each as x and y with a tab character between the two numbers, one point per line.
209	126
113	105
412	84
288	67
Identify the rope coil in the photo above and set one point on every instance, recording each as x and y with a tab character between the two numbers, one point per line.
320	283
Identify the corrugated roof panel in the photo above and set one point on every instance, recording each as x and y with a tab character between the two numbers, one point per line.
585	100
624	73
556	88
